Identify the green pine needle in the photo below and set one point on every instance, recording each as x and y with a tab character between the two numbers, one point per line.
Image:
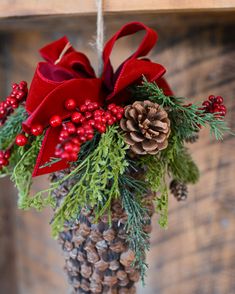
12	127
22	173
131	192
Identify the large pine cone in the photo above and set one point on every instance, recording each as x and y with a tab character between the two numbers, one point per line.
146	126
98	259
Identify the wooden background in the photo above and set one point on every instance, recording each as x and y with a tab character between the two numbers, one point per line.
196	255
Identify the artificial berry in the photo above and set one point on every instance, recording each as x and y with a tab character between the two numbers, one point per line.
55	121
37	130
21	140
3	162
88	114
70	127
7	154
206	103
64	134
83	108
65	155
111	106
211	98
87	102
70	104
119	116
219	99
81	131
68	147
77	117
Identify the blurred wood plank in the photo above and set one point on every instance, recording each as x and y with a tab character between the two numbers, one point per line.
53	7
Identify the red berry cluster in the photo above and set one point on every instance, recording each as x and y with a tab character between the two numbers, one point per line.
214	105
84	121
4	158
18	95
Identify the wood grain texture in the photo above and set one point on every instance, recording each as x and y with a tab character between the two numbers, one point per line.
53	7
196	254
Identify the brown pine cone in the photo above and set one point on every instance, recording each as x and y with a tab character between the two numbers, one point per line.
179	190
146	126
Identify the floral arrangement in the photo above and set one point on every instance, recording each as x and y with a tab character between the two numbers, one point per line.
110	143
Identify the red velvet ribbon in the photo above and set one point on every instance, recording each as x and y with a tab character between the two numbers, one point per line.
68	74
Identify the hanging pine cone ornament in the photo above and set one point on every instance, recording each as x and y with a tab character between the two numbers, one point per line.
146	126
179	190
102	192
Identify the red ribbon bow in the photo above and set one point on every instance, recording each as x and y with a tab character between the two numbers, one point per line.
68	74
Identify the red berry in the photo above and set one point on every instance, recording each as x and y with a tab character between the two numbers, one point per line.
83	108
3	162
55	121
65	155
1	154
76	148
87	102
37	130
76	141
108	115
77	117
68	147
216	109
110	121
91	122
82	139
206	104
70	104
58	152
219	99
222	113
7	154
102	129
21	140
73	156
70	127
64	134
114	110
88	114
119	116
111	106
98	113
222	108
211	98
81	131
90	136
97	119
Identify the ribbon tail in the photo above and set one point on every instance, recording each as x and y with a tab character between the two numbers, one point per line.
46	154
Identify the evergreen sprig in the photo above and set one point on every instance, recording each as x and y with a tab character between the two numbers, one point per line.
22	173
12	127
132	192
185	119
97	179
179	162
155	171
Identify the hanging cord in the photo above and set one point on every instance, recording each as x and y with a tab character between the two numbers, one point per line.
100	35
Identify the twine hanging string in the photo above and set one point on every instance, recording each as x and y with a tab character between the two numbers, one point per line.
100	35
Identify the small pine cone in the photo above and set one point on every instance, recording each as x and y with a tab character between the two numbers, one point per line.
179	190
192	139
146	126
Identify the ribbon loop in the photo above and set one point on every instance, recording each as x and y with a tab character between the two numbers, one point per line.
145	46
